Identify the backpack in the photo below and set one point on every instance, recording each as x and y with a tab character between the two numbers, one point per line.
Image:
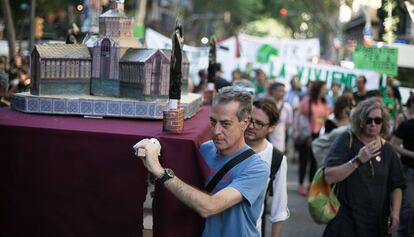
277	158
323	203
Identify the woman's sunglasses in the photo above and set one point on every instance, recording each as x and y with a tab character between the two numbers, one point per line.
377	120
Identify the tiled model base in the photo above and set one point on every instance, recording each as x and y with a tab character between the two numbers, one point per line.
173	120
101	106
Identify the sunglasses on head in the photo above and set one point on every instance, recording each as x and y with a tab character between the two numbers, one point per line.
377	120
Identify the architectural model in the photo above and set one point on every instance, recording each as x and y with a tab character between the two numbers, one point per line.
107	75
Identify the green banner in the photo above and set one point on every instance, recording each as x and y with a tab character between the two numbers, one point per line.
264	53
382	60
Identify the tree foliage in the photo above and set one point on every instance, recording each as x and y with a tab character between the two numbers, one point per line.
21	8
304	18
241	11
319	15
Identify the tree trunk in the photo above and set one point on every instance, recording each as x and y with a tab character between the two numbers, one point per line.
142	9
11	35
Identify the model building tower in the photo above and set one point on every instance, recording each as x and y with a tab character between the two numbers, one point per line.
116	25
173	120
115	38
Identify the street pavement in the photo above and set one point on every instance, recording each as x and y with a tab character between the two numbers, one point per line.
300	223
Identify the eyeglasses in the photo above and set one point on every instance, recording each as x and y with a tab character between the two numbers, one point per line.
377	120
258	124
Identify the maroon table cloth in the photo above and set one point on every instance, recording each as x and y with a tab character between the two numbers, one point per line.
73	176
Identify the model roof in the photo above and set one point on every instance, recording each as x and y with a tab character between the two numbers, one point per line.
113	13
138	55
167	53
67	51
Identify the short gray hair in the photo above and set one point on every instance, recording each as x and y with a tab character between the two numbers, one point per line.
229	93
360	114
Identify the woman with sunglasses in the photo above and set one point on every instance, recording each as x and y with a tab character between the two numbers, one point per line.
368	173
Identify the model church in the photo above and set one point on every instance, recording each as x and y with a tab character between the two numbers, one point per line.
112	64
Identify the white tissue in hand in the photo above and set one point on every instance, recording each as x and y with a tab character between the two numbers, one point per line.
153	141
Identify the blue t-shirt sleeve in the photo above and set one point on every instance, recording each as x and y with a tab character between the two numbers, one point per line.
208	150
253	180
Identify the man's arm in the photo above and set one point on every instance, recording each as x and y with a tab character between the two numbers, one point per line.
201	202
396	143
276	228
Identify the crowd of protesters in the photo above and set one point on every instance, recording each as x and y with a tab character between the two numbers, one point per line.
376	174
14	77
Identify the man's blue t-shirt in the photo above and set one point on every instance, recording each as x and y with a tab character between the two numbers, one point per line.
250	179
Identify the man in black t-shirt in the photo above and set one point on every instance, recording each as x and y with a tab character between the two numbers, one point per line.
361	93
220	82
404	135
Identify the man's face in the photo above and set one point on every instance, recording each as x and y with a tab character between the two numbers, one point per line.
360	84
295	83
279	93
390	91
236	76
261	77
227	131
259	127
336	89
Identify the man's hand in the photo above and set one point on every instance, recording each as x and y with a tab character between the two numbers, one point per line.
150	161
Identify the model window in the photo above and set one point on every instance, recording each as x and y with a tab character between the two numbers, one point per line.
105	48
42	70
58	70
63	75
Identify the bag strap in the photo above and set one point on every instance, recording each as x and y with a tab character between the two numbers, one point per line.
228	166
281	107
277	158
310	110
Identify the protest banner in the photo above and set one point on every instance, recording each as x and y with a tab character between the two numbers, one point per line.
283	71
383	60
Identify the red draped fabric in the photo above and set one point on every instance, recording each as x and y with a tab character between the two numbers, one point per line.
72	176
